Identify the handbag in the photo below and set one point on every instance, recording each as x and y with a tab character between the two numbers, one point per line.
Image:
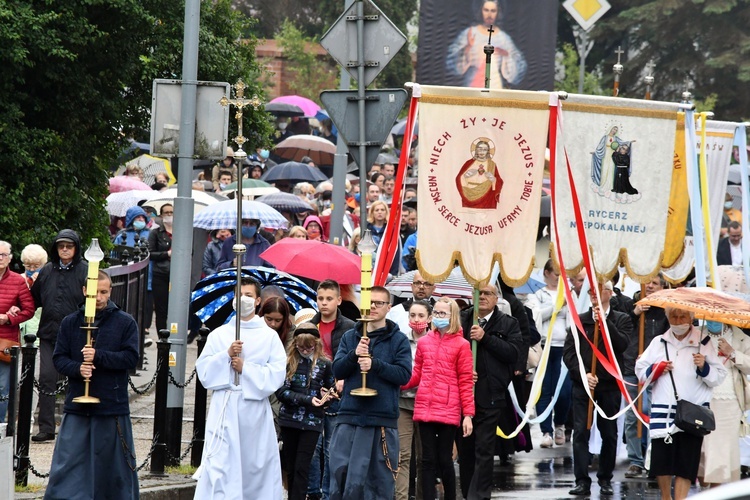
5	346
535	354
692	418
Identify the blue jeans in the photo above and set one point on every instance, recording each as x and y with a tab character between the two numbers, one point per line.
4	388
635	446
562	405
318	485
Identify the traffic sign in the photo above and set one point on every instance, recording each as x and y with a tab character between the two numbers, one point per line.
586	12
381	109
382	40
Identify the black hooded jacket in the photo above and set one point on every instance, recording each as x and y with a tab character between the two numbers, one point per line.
59	290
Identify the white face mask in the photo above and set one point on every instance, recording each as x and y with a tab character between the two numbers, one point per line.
680	329
167	219
247	306
282	126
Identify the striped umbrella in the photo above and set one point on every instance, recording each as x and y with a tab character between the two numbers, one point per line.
455	286
224	214
118	203
285	202
212	296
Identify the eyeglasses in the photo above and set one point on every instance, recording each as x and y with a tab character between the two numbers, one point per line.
65	246
32	266
485	293
441	314
420	284
4	255
167	213
306	349
378	303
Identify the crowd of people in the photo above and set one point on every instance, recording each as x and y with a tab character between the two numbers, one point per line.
286	413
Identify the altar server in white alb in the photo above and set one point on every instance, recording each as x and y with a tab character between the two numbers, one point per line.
241	455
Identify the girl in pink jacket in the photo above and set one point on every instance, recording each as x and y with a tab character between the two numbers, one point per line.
444	373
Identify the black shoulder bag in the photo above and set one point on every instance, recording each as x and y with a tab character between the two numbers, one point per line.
691	418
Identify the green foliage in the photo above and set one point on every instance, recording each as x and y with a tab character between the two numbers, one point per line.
310	74
570	72
701	44
77	79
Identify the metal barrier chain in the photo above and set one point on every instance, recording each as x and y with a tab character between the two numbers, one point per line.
59	390
148	386
36	472
18	388
177	384
130	455
185	454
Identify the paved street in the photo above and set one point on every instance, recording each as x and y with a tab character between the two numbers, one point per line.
543	473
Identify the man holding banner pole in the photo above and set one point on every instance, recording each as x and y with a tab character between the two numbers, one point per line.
603	387
499	341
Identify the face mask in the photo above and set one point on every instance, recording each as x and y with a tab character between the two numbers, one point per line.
167	219
264	153
247	306
728	205
418	326
282	126
223	185
441	323
248	232
30	274
680	329
714	327
313	232
139	224
326	204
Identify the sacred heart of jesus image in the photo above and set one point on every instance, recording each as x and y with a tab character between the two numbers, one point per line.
611	168
478	181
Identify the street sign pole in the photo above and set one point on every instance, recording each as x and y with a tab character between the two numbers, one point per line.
361	104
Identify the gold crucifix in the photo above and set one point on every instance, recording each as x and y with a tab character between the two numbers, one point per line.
240	102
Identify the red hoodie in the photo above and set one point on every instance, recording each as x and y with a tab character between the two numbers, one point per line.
443	371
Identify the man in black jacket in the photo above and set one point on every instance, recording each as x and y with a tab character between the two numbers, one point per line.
604	388
499	341
58	291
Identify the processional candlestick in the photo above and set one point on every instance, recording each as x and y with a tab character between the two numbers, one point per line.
238	248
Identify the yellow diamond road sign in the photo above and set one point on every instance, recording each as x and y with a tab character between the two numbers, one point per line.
586	12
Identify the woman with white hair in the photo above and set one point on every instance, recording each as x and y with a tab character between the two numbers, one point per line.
696	370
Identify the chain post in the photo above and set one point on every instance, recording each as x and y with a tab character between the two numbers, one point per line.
159	456
24	410
199	415
10	430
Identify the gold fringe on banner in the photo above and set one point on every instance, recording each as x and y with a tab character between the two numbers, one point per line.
475	282
488	102
615	110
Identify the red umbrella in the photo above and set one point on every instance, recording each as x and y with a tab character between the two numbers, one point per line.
315	260
122	183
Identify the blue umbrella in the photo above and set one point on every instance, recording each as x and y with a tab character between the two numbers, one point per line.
530	286
223	215
293	171
212	296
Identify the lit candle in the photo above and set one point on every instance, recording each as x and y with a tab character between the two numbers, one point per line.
366	247
93	255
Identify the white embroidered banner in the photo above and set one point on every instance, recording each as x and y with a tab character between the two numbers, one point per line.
480	181
622	152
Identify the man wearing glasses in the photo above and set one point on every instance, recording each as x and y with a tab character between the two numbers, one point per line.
499	341
58	291
421	289
364	447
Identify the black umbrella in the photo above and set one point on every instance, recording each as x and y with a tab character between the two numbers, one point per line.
283	109
293	171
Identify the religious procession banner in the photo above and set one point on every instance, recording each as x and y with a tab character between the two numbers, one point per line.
713	162
480	178
622	156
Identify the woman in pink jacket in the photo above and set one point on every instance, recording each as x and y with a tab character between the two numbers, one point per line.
443	371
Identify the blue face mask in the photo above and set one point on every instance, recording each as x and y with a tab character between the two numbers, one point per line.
264	153
139	224
714	327
248	232
31	273
441	323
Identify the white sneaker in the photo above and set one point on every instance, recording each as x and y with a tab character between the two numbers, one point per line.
559	435
546	441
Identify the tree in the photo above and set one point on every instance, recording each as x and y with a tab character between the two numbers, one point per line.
568	80
702	42
76	81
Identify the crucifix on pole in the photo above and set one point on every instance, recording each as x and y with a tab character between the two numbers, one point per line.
649	79
238	248
617	68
